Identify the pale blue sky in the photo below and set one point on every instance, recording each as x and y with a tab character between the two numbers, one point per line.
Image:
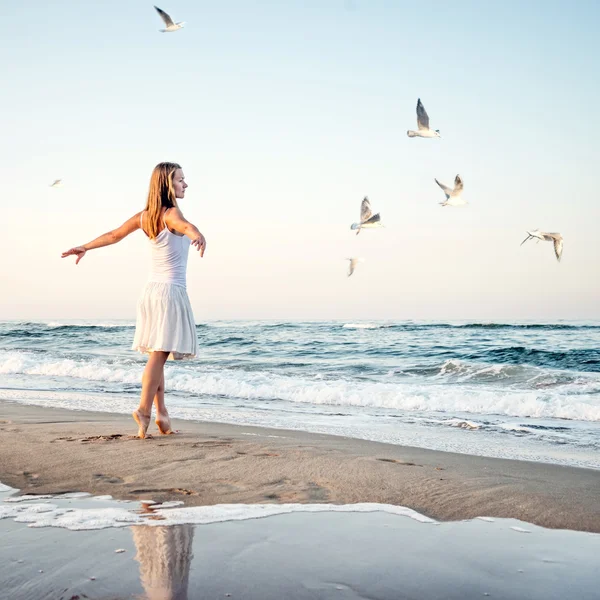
284	115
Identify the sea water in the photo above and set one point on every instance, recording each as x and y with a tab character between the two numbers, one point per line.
519	390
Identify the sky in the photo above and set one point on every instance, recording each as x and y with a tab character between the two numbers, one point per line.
284	115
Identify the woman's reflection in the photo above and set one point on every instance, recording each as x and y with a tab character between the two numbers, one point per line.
165	555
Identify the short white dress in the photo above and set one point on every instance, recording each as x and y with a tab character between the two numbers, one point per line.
165	320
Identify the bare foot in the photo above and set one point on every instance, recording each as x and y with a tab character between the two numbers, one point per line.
164	424
143	421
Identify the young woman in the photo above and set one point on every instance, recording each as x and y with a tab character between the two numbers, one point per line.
165	326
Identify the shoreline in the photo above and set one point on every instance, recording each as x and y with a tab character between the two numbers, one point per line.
52	450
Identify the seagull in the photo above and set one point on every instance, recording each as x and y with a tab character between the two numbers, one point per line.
168	21
353	263
556	238
57	183
423	123
367	218
453	197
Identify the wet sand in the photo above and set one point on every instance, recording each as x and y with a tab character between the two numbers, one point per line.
347	556
48	450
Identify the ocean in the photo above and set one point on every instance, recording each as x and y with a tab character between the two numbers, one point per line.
528	391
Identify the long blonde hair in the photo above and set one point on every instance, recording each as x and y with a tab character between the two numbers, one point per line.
161	194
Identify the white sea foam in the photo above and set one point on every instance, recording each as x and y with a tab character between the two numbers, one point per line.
51	515
467	371
361	326
27	363
25	510
27	498
263	385
520	530
517	428
462	424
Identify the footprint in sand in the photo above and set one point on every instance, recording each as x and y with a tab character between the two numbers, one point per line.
399	462
31	478
109	438
96	438
211	444
181	491
106	478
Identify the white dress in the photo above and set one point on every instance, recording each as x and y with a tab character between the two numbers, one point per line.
165	320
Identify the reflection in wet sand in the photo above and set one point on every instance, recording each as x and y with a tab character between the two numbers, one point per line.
165	556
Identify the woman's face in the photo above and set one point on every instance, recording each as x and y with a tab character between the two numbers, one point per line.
179	184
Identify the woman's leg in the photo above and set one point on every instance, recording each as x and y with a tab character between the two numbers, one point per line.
162	416
151	379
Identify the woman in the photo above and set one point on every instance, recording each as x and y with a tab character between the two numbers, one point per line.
165	326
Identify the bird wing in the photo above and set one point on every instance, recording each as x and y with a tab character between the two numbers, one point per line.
165	17
351	266
374	219
558	247
365	210
56	182
445	188
529	236
557	239
458	185
422	116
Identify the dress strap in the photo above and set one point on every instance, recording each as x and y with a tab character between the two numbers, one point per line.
164	218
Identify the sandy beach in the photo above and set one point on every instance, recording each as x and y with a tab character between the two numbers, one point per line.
47	450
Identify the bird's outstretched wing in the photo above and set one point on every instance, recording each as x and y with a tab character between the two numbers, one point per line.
165	17
529	236
558	248
558	243
374	219
458	185
422	116
445	188
351	266
365	210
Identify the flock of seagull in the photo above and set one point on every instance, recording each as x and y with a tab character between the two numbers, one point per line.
367	218
453	197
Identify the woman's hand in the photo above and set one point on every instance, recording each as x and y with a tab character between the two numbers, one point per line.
200	244
78	251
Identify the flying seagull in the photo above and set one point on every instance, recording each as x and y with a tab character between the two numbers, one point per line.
555	238
353	263
453	196
367	218
423	123
56	183
168	21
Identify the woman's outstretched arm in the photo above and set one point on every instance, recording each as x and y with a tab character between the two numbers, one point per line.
175	220
106	239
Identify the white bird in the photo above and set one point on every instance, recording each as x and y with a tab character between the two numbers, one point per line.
367	218
171	26
423	124
353	263
56	183
453	196
555	238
